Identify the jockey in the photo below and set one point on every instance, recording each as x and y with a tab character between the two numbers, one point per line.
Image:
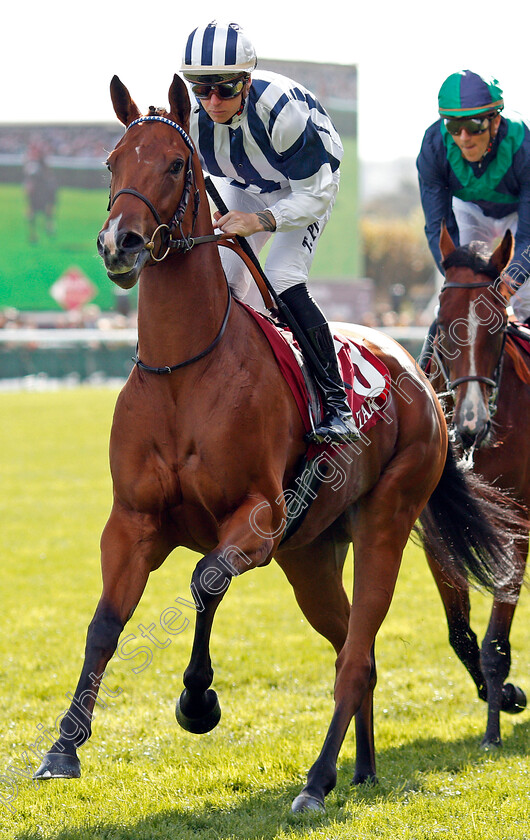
474	173
276	155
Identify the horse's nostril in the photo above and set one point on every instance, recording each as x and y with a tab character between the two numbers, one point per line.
466	439
469	439
131	242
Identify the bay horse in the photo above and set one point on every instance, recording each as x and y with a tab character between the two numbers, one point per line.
206	438
478	367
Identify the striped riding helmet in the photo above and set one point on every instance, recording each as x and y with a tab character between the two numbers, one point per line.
466	94
217	50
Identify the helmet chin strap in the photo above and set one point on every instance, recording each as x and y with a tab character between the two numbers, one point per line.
244	93
493	134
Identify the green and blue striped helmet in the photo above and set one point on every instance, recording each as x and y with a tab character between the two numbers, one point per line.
466	94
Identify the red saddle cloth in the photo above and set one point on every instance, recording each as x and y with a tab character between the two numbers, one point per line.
368	377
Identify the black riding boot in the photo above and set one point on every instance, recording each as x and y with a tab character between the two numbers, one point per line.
338	424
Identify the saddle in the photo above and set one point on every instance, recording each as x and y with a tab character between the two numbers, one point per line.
367	382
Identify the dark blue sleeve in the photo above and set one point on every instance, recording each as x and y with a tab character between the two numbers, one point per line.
436	197
522	236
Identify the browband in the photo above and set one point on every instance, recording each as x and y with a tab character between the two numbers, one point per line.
165	120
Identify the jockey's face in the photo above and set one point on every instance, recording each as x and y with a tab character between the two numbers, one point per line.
222	110
474	146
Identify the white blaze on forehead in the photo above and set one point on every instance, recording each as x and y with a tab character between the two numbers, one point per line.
139	158
473	408
110	235
472	324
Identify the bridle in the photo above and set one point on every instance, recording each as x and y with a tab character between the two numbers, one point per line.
184	243
493	383
452	385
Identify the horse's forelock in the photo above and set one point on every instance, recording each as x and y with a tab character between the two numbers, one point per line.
157	111
475	256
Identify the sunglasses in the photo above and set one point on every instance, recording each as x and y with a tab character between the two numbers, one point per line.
224	90
473	125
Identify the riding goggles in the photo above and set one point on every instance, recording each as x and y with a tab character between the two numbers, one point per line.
224	90
473	125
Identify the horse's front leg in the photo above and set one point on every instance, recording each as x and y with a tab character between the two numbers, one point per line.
130	546
463	640
246	541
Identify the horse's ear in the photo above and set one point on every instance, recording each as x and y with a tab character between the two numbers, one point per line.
502	253
447	246
179	102
126	110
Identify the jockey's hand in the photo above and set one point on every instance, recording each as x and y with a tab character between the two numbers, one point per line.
235	223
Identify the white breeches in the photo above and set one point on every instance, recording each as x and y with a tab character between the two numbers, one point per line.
290	254
473	226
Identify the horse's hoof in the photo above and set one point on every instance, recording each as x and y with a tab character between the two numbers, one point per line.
306	802
59	766
364	779
490	745
513	699
205	722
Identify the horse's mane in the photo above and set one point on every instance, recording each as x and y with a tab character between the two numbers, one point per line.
475	256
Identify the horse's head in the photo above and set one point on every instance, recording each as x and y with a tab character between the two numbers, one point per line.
471	328
150	182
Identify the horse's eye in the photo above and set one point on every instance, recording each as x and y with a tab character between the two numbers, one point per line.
107	164
176	167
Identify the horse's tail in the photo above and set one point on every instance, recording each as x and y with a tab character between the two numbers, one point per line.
471	528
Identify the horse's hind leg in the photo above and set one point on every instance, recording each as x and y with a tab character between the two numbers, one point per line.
364	732
315	573
496	657
379	532
488	666
128	547
376	568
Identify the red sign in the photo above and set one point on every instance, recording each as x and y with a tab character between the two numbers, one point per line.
73	289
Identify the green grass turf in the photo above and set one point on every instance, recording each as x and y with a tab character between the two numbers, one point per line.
145	778
27	271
